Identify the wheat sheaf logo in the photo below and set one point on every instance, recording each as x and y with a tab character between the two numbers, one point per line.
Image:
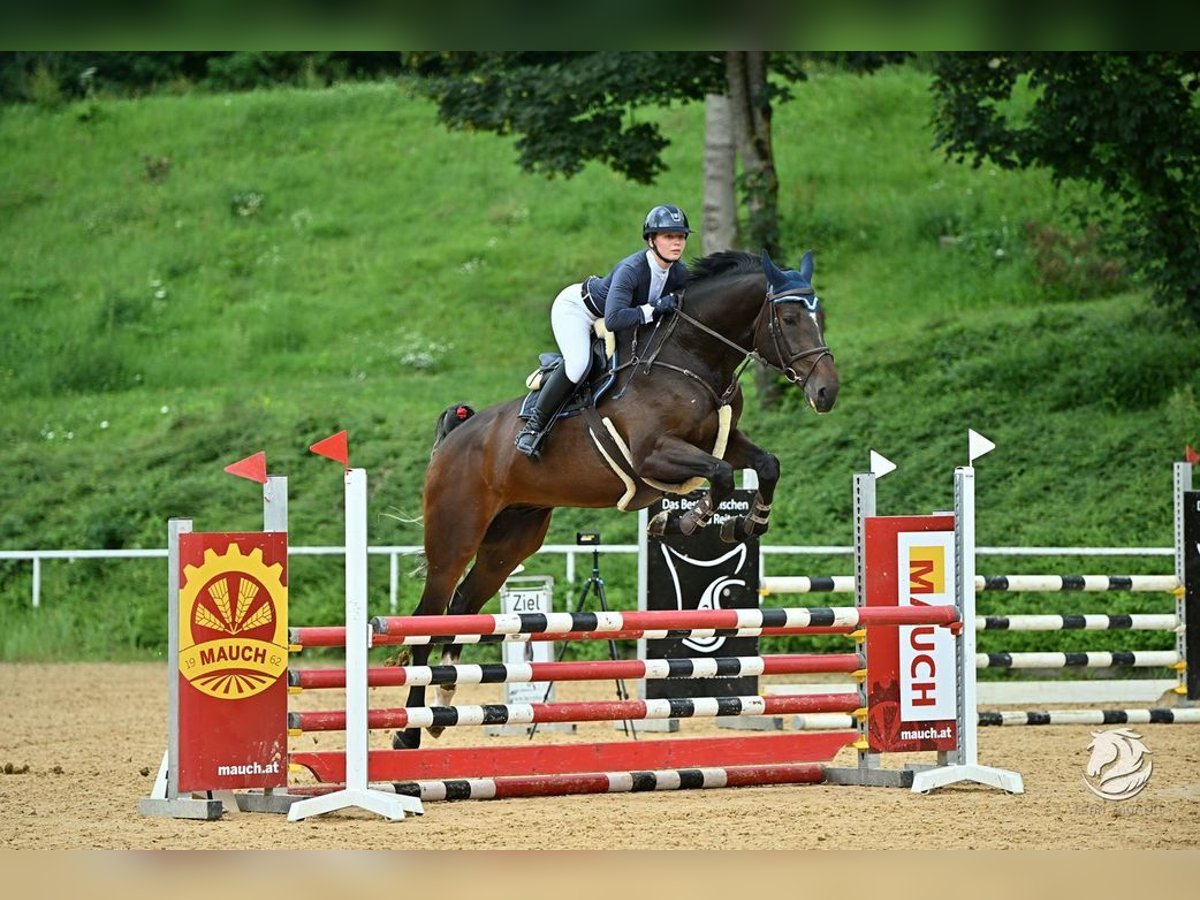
1120	764
233	624
232	621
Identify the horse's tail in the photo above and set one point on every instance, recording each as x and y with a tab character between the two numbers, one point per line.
451	418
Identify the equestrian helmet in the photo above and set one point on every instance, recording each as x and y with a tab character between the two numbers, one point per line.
665	219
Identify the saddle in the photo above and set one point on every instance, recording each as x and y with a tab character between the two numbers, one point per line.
596	383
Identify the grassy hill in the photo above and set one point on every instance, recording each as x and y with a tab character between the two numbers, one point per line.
189	279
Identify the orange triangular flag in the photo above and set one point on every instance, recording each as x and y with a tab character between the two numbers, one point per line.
1191	455
336	447
252	467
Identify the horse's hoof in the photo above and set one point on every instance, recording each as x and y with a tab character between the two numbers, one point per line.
658	525
436	731
729	531
407	740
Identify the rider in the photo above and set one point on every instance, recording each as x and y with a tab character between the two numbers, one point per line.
639	289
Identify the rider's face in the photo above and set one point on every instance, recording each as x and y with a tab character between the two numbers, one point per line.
670	245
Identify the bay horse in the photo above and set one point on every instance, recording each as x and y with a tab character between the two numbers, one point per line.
667	425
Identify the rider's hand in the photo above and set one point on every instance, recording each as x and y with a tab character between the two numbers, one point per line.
664	305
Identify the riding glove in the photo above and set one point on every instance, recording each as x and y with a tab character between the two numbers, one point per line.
664	305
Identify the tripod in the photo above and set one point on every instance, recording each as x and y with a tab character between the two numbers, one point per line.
594	584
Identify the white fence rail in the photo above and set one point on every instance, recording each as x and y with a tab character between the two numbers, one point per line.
570	551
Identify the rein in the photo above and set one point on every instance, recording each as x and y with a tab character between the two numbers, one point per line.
652	360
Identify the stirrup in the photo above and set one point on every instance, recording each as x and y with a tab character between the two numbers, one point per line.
535	441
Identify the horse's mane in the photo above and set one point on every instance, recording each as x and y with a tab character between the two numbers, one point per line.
724	262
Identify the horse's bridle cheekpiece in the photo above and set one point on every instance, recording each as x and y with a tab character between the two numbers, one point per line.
812	303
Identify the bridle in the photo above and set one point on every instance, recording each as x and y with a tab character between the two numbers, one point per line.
811	302
770	312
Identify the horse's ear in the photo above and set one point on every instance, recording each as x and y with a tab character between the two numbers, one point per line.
806	267
775	276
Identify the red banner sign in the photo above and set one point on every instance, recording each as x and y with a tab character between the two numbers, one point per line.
233	656
911	679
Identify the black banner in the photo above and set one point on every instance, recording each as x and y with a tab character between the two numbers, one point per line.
702	572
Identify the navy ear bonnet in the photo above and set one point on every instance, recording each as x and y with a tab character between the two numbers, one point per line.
790	285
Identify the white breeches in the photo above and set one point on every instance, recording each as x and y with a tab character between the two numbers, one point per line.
572	321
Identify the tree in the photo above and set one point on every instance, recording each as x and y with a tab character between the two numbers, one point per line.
571	108
567	108
719	228
1127	122
750	107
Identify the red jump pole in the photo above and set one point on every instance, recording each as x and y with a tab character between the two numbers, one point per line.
512	786
604	623
560	759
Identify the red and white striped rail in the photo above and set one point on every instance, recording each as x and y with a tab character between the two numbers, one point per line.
599	711
512	786
605	623
335	636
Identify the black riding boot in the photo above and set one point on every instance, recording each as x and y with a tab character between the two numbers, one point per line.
553	393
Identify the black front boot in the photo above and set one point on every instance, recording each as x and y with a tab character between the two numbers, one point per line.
553	393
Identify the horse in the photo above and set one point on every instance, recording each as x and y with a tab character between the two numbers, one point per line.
668	424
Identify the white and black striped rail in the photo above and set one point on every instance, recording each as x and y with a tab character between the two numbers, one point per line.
844	584
584	670
1091	659
1070	583
1163	716
1158	716
1084	622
